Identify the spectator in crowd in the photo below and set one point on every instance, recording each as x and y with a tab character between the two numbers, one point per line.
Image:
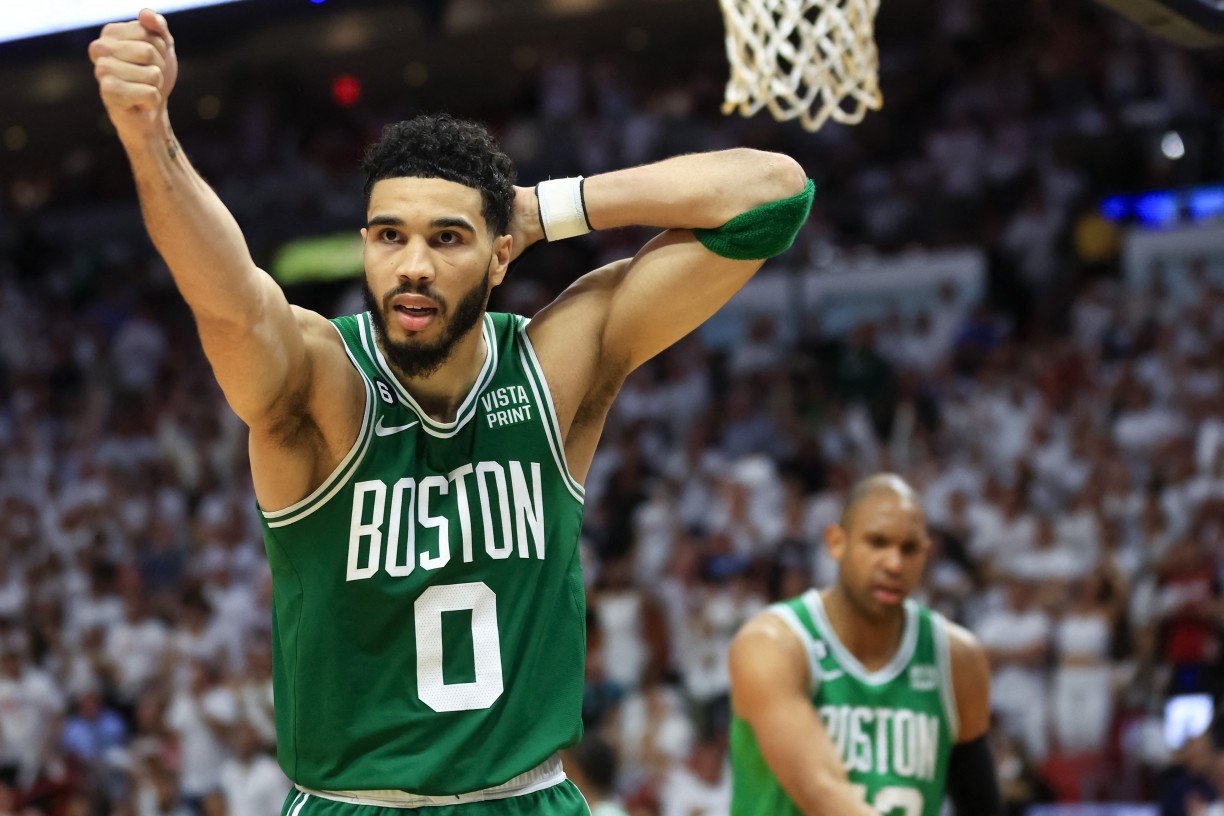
30	707
202	714
1083	688
701	786
1020	783
1187	783
1189	609
1017	640
93	731
592	765
252	784
135	648
158	792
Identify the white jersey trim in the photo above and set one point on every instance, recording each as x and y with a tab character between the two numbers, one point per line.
467	408
552	426
304	507
788	616
885	674
947	688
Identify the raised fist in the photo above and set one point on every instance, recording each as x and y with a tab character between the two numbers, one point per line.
136	67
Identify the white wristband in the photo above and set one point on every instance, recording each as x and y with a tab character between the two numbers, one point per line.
562	210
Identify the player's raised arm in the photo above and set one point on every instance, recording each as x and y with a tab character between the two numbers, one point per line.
973	784
771	692
249	331
725	212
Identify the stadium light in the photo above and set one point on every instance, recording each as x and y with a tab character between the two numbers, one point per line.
346	90
33	18
1172	146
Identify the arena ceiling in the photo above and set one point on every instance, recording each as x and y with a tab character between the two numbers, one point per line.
462	55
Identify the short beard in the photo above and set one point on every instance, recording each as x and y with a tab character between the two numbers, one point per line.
423	359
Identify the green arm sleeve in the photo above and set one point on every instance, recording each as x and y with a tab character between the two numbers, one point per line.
763	231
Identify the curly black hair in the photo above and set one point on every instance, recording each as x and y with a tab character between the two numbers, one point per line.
441	146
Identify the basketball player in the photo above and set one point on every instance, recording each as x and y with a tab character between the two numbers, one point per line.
419	467
855	701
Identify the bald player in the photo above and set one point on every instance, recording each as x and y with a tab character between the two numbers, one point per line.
856	700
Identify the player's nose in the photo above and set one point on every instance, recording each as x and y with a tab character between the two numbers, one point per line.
416	261
891	561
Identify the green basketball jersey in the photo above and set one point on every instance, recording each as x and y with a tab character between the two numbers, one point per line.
428	607
894	728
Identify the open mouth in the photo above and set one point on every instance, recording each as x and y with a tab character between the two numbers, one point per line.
415	318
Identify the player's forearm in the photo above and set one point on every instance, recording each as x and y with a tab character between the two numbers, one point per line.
698	190
193	231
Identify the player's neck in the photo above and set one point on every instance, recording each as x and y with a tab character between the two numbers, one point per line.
873	642
441	393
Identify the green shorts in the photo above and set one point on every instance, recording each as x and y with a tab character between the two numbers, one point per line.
562	799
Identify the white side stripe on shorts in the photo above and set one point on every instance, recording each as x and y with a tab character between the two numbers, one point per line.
297	807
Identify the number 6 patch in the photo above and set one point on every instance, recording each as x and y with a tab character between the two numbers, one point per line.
384	392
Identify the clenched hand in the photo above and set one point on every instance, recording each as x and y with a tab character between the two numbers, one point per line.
136	67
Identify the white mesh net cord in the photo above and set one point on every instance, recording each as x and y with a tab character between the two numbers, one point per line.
806	59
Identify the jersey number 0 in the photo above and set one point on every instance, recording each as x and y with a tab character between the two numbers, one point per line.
432	688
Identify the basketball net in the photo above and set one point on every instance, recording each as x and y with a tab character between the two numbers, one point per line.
812	60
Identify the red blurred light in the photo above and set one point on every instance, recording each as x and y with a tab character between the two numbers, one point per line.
346	90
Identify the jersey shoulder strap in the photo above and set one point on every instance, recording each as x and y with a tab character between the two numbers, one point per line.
528	366
794	612
357	332
938	627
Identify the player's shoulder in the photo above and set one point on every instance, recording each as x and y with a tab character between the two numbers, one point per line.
316	327
332	375
766	653
963	645
768	631
768	622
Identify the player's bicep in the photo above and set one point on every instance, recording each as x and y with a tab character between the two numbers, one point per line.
970	683
567	336
672	286
300	439
260	356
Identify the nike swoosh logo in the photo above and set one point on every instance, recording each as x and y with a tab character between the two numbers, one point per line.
383	430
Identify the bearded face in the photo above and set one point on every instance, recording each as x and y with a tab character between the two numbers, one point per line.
420	357
430	265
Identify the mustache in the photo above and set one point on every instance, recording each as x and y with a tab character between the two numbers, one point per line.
407	288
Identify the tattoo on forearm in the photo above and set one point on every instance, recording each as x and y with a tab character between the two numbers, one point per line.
172	146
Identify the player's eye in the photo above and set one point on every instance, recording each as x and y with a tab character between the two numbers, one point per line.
390	235
448	237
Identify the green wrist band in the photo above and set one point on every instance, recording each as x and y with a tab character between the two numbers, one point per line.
763	231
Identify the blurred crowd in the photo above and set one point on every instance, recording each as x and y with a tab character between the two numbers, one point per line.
1066	432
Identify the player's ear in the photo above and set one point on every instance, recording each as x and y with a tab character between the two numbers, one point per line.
503	245
835	540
